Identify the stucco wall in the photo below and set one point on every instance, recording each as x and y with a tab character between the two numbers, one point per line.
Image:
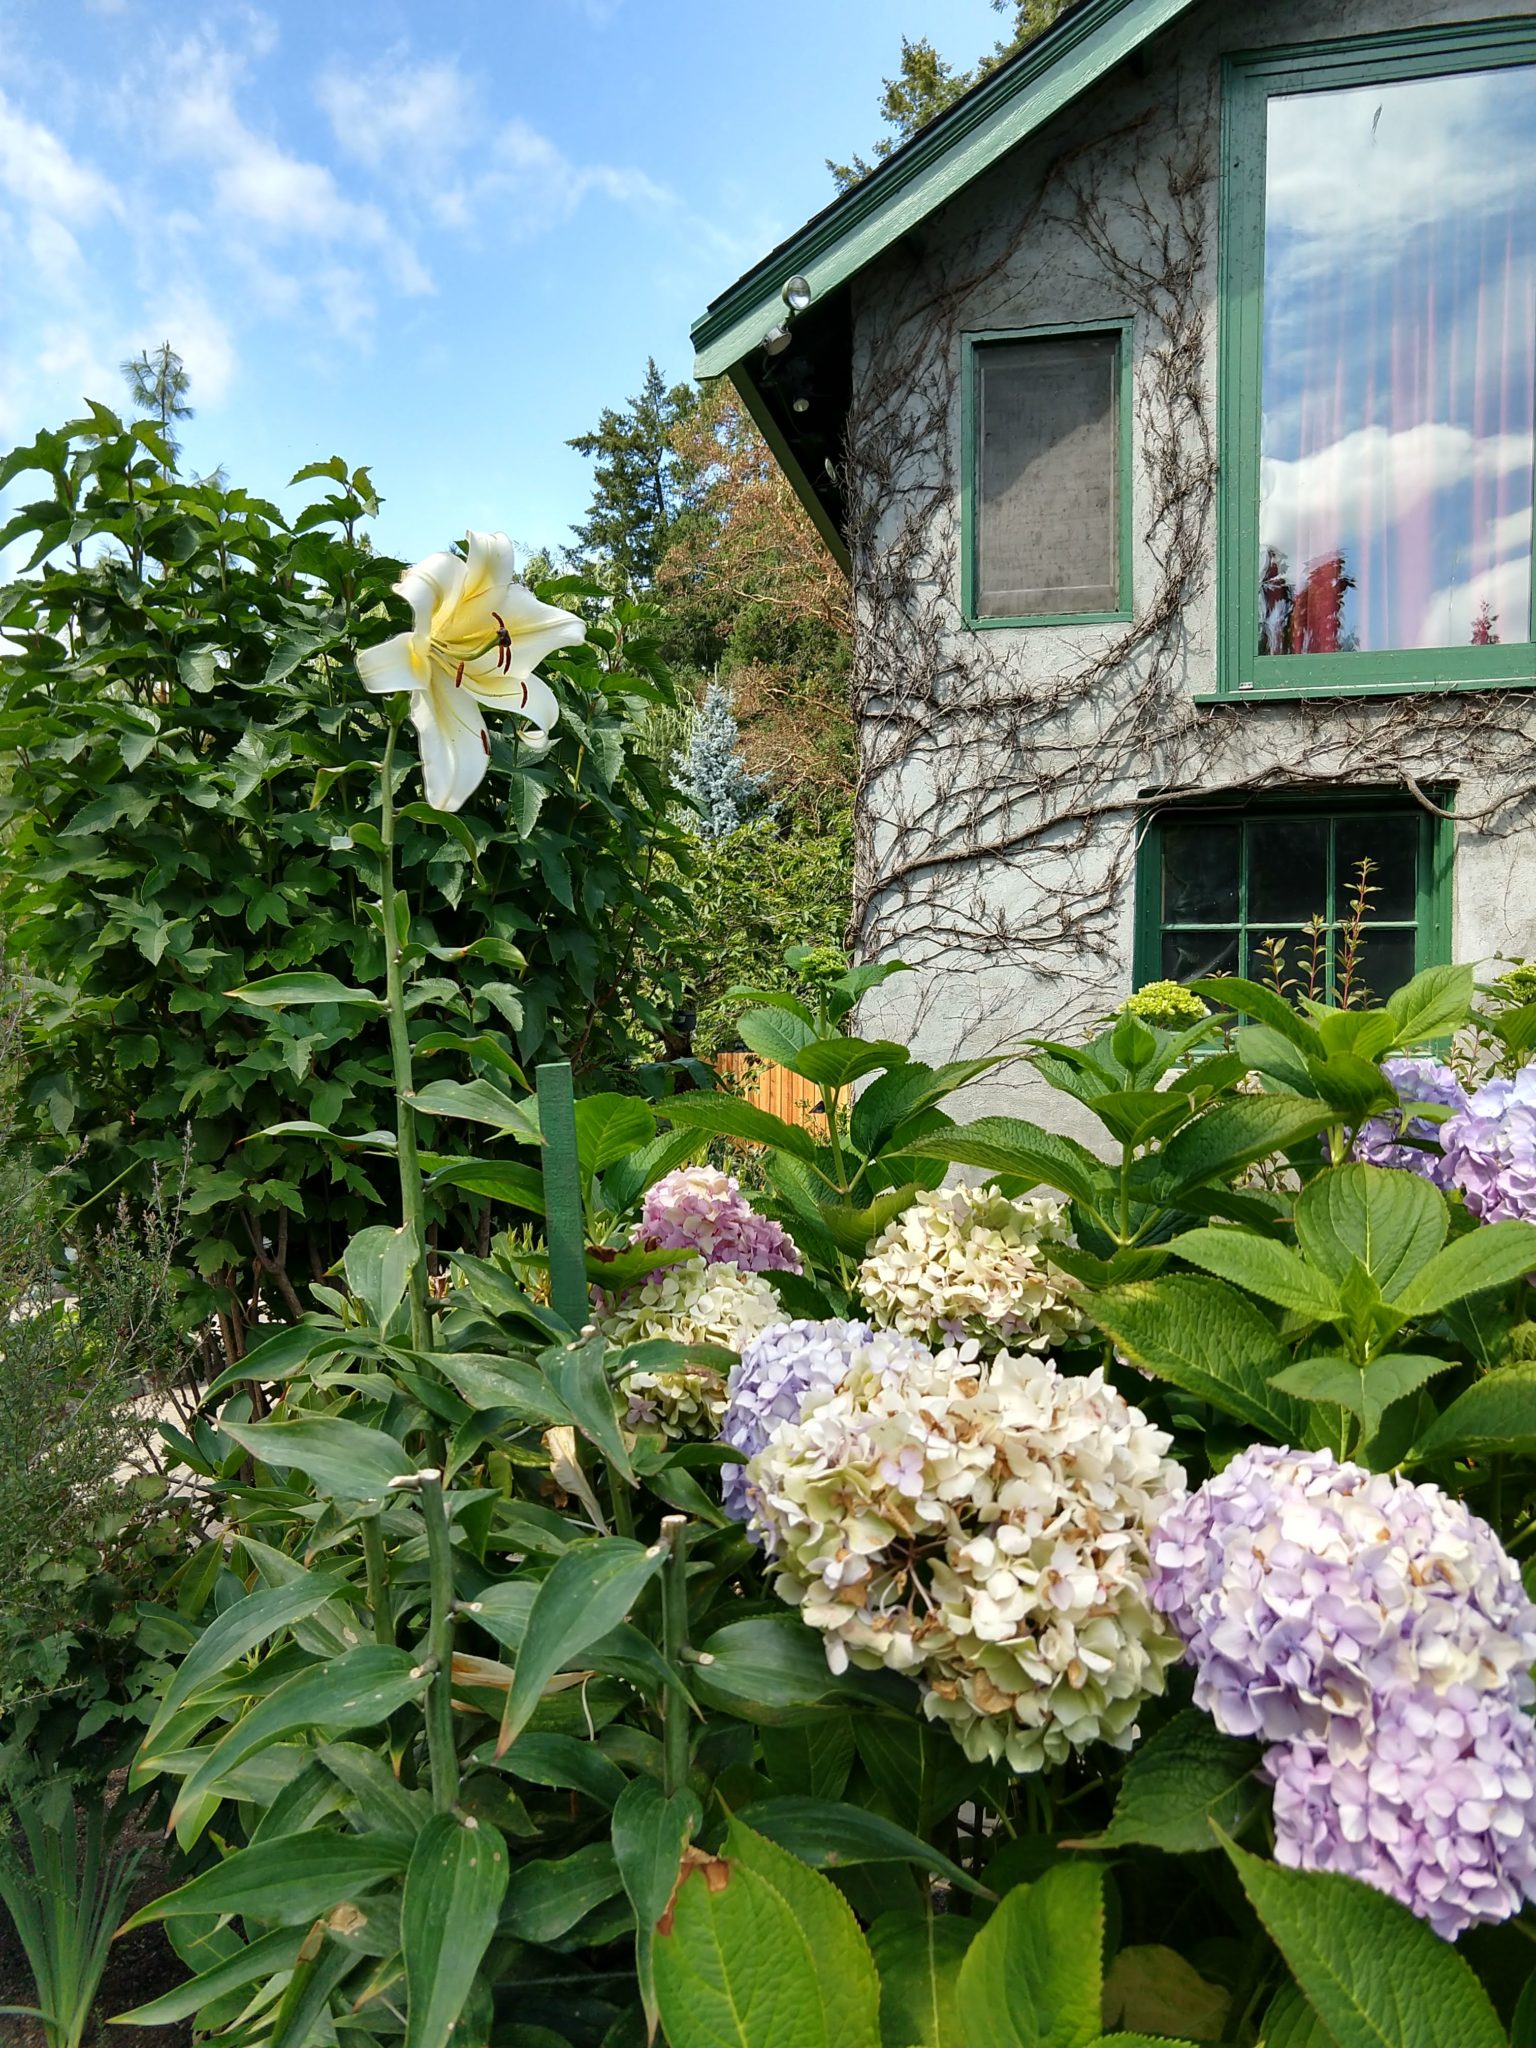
971	999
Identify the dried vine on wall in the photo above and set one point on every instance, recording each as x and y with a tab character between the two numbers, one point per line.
999	798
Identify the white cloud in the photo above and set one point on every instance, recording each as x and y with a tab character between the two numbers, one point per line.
400	116
528	184
1373	478
37	170
1505	589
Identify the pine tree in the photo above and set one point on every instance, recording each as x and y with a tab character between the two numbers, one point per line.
637	481
158	385
713	772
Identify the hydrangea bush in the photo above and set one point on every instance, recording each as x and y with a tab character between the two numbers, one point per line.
969	1263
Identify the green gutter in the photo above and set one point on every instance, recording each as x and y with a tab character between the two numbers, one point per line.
1019	98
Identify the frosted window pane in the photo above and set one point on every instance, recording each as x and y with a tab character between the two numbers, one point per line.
1047	541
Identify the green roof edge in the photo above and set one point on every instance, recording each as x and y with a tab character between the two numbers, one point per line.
997	115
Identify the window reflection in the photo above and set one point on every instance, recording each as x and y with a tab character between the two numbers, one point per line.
1399	365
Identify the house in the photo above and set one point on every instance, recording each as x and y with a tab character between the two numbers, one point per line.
1170	399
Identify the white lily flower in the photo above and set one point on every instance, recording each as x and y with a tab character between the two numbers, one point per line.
477	638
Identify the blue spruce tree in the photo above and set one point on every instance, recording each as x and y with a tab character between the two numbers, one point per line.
713	773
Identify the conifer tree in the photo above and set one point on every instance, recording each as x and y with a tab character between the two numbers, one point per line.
158	384
713	772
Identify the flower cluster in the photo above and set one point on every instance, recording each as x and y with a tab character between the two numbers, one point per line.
1410	1142
1377	1637
690	1303
1490	1149
700	1209
1166	1006
966	1263
984	1528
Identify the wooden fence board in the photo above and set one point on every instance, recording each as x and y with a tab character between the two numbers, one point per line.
774	1088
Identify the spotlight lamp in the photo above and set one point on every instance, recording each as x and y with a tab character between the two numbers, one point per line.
776	340
796	293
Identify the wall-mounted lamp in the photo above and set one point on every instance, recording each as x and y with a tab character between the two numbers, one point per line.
800	405
776	340
796	293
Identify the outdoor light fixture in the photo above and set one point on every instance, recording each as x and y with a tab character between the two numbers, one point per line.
796	293
776	340
800	405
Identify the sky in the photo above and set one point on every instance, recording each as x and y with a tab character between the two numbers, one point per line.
433	240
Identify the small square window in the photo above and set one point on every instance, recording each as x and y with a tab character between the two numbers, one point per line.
1267	888
1046	471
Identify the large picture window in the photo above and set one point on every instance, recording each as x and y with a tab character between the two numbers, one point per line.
1046	476
1271	884
1380	309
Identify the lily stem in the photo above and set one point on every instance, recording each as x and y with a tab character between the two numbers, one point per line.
412	1197
674	1637
379	1600
441	1753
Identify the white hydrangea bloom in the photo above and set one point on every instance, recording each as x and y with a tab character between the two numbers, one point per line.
985	1529
689	1402
967	1263
693	1303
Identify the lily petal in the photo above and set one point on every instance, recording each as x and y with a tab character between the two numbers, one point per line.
490	564
454	751
535	630
529	696
433	589
397	664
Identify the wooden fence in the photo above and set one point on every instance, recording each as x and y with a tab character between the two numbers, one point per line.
773	1088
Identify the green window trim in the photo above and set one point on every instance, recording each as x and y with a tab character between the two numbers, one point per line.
971	345
1249	79
1433	896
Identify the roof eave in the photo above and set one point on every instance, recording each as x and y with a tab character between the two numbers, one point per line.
946	156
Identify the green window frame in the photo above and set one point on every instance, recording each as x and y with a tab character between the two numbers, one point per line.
1249	80
1430	921
972	345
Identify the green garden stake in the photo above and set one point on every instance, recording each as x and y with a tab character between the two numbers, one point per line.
562	1194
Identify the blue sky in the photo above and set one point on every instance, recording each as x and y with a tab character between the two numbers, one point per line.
435	240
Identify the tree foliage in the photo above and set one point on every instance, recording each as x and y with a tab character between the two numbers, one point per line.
187	740
638	478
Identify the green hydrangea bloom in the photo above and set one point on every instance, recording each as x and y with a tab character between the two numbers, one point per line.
1166	1006
1517	986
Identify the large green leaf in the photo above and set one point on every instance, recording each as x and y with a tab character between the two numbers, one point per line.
1253	999
453	1891
356	1690
1207	1339
1434	1004
342	1458
480	1102
1291	2023
905	1091
262	1958
285	991
775	1670
727	1116
1033	1976
1496	1414
1375	1974
486	1380
836	1062
1235	1134
835	1836
777	1034
650	1832
918	1956
290	1878
1392	1222
589	1590
608	1127
499	1180
1495	1255
1007	1144
236	1632
1176	1783
578	1374
377	1263
1367	1391
549	1895
756	1951
1262	1265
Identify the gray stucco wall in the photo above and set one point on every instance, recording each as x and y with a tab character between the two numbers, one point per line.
967	999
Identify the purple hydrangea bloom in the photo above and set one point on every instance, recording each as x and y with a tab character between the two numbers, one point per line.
1490	1149
1377	1636
772	1379
1440	1814
1306	1590
1384	1140
700	1209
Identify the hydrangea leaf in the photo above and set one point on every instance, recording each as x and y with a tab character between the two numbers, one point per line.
918	1956
1497	1413
1033	1975
1376	1975
1392	1222
1367	1391
1176	1783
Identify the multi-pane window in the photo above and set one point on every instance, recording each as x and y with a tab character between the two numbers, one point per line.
1271	888
1380	319
1046	476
